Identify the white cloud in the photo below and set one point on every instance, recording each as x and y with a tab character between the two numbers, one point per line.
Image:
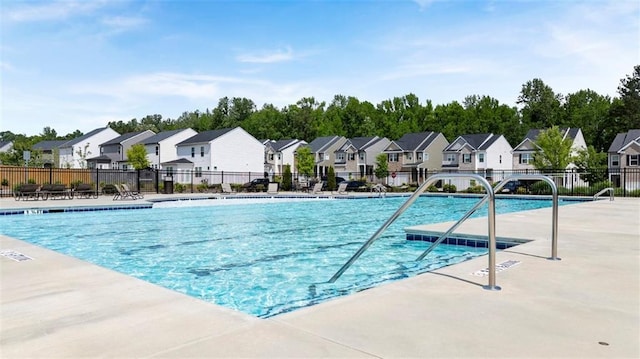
52	11
268	57
123	23
424	4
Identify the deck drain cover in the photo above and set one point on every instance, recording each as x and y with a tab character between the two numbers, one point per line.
16	256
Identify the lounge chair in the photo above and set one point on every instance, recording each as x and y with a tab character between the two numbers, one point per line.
317	188
29	190
273	188
85	190
122	193
342	188
226	188
133	194
56	191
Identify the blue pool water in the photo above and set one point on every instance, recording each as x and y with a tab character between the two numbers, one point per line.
262	259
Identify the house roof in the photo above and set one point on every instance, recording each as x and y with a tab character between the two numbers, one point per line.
4	143
418	141
569	132
478	142
362	143
124	137
205	136
623	140
48	145
178	161
101	158
282	144
83	137
161	136
321	143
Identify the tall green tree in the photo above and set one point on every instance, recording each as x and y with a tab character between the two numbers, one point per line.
331	179
554	151
137	156
588	111
286	178
382	166
540	105
304	161
591	164
625	111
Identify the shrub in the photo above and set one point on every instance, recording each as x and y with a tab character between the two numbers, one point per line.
5	182
449	188
474	189
540	188
179	187
432	188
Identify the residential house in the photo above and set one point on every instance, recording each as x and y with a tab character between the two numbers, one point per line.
357	157
161	147
113	153
226	150
279	153
624	160
49	152
413	155
74	153
486	154
522	155
5	146
324	151
524	151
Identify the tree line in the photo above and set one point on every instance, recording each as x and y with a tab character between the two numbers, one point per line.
538	107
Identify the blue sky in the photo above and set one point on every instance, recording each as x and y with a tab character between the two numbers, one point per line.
79	64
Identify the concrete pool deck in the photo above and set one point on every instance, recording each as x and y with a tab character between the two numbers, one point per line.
585	305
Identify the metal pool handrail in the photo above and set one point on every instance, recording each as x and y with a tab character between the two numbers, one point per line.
554	211
491	224
610	189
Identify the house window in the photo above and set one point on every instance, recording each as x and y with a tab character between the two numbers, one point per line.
169	171
526	158
408	156
352	157
157	150
271	157
363	156
125	167
466	158
451	157
101	150
615	160
198	172
320	156
393	157
279	156
480	157
201	151
118	149
340	157
500	159
419	156
193	152
633	160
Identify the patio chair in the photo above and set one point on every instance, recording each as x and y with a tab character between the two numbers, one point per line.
273	188
133	194
29	190
85	190
226	188
342	188
56	191
317	188
121	193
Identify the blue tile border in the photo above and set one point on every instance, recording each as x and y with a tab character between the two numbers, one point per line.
467	241
36	211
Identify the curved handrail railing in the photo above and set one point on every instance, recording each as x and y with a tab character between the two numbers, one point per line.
610	189
554	211
491	224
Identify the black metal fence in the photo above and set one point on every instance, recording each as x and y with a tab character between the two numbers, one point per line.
626	181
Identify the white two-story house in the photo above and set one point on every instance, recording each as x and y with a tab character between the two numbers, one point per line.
74	153
232	153
113	153
486	154
161	147
278	154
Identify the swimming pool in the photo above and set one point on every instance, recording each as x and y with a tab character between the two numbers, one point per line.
262	258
